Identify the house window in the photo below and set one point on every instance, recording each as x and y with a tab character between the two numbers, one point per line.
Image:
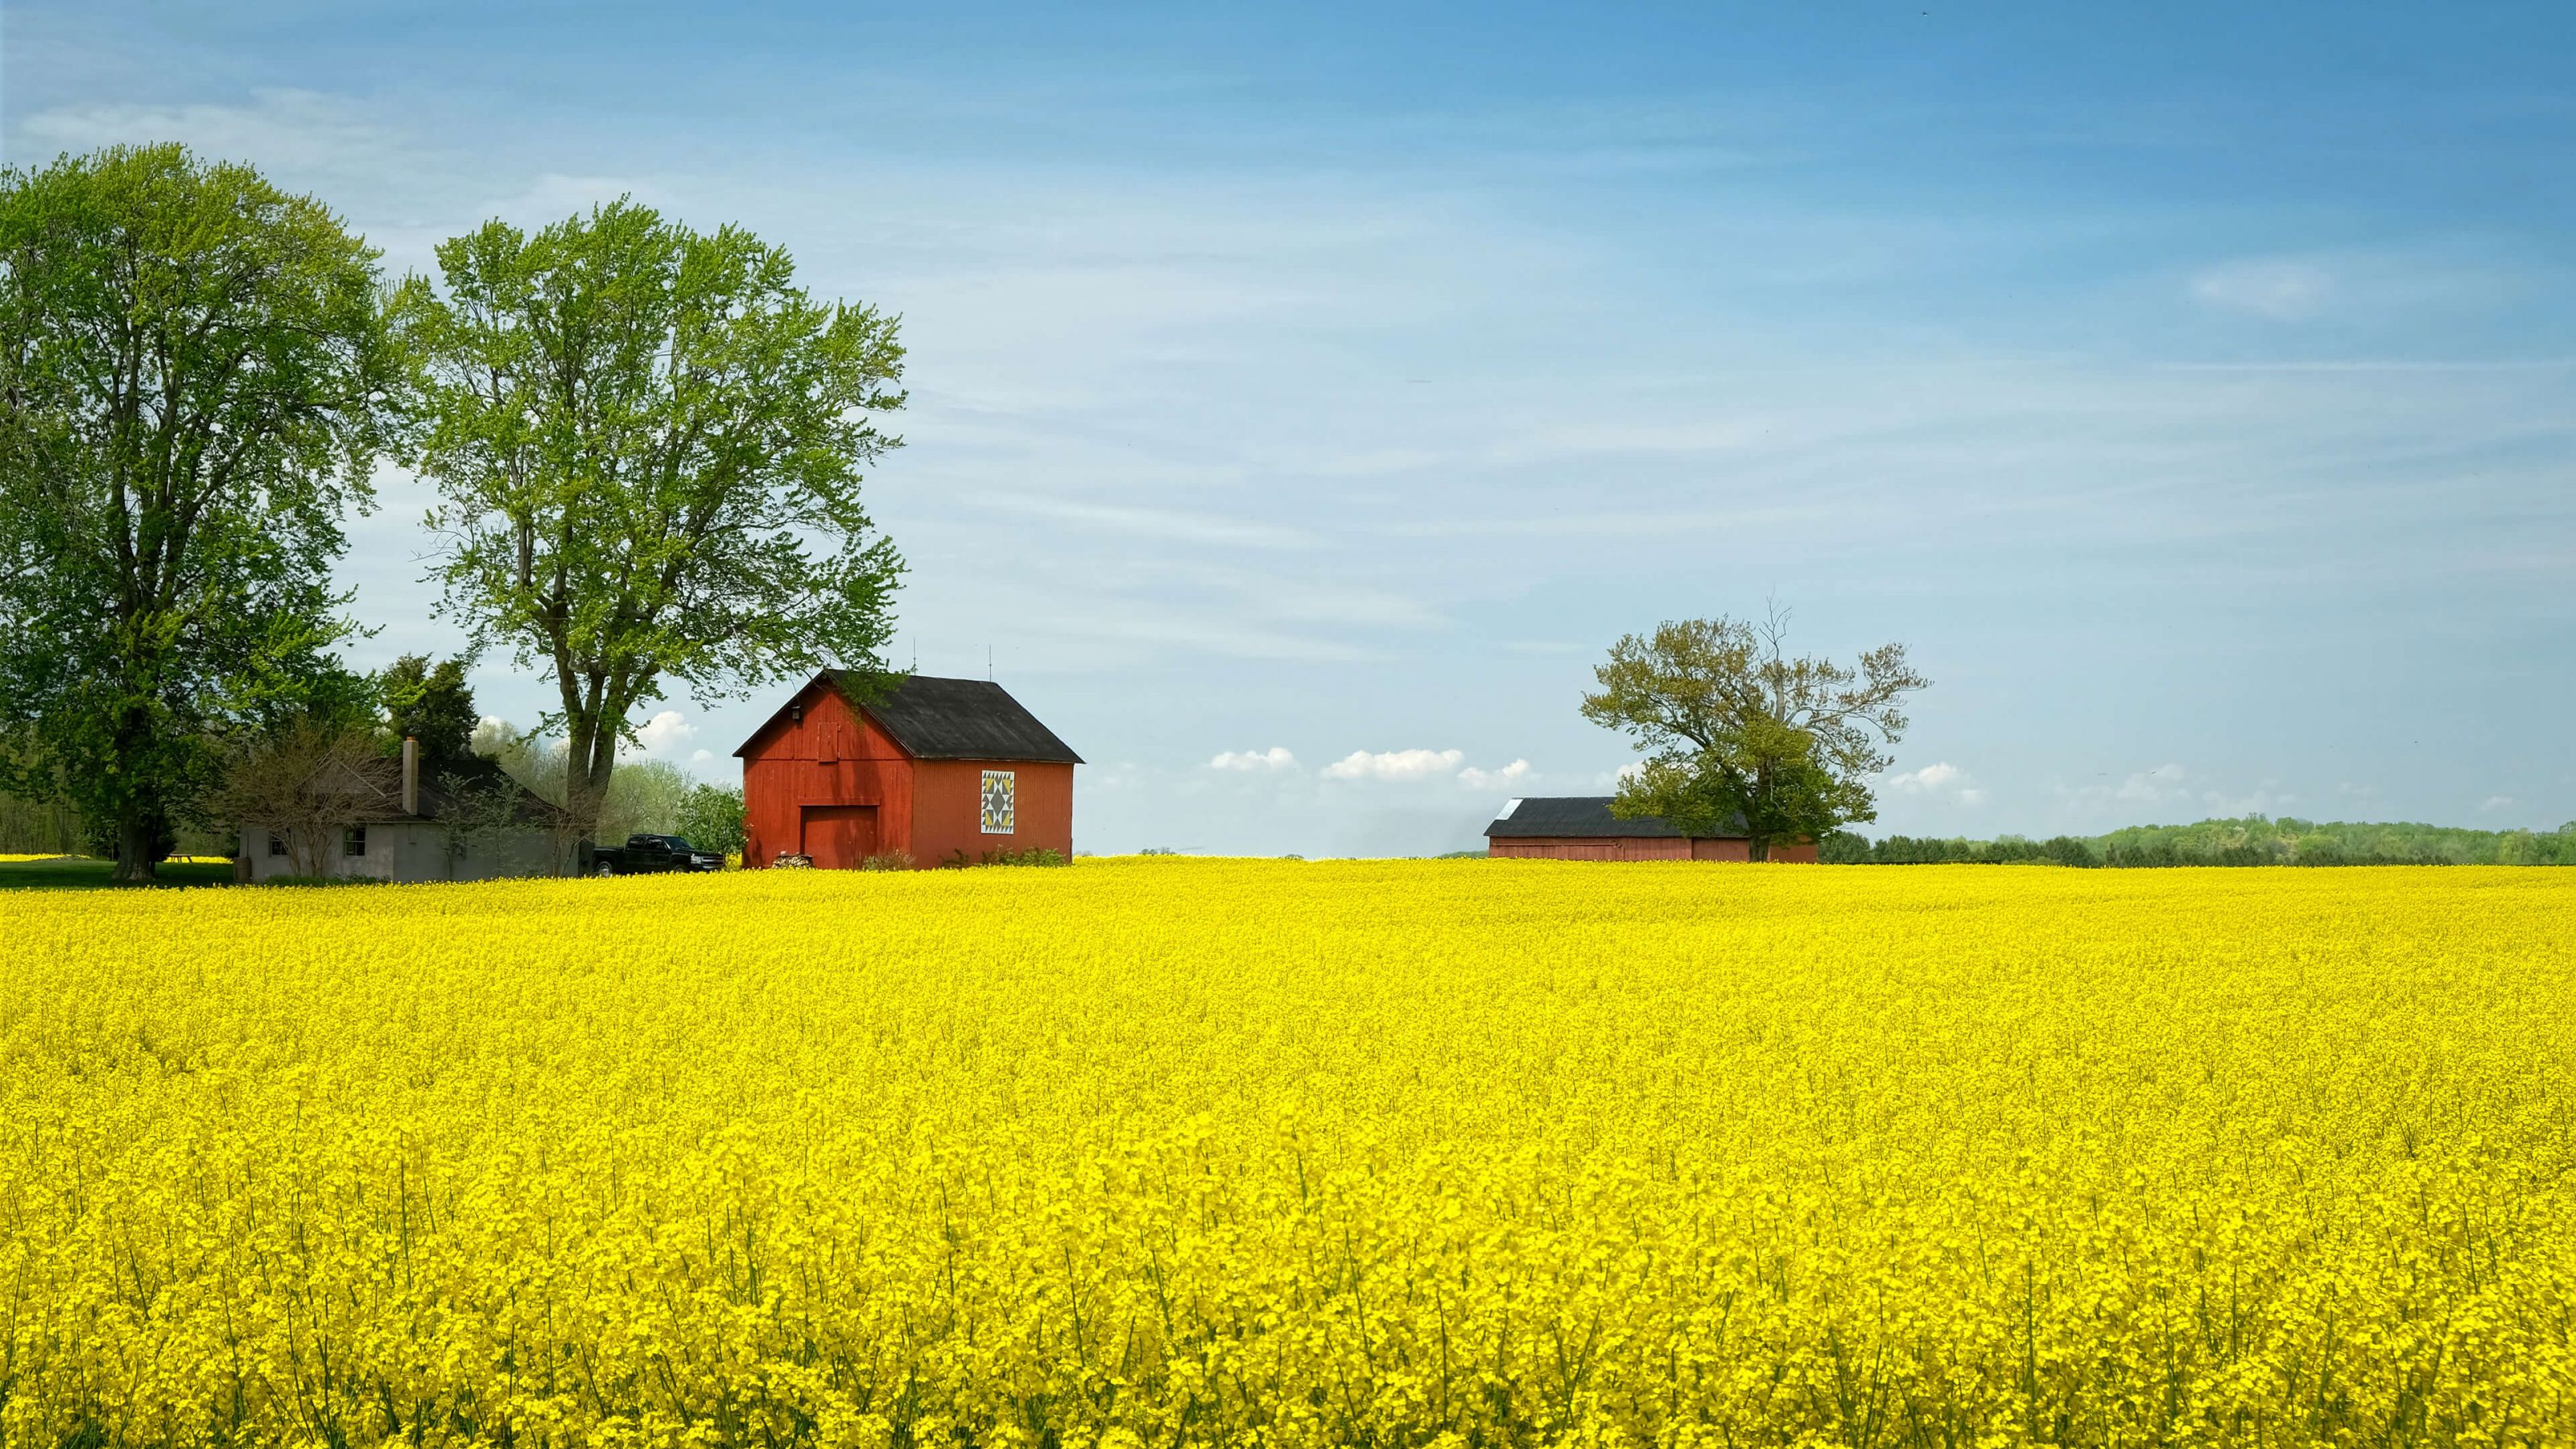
276	843
353	841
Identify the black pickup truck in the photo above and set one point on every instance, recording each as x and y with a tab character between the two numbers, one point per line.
644	854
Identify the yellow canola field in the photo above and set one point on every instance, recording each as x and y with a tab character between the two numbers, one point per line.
1397	1153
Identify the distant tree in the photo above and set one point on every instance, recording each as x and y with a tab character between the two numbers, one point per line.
1736	730
645	798
647	445
434	705
525	756
711	818
2067	850
1842	847
195	377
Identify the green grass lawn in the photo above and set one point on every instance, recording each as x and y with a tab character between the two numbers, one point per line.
72	872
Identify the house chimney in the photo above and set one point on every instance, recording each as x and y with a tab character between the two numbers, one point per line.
411	775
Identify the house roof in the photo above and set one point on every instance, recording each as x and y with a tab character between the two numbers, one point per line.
480	772
1578	816
377	784
372	788
947	719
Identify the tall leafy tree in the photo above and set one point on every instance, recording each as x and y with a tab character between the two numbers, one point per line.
648	445
433	704
196	373
1740	734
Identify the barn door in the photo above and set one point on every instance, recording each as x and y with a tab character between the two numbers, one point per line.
838	837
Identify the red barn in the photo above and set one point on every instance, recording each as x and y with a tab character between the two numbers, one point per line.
1581	827
943	770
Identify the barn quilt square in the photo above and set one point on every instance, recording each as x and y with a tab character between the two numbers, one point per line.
1001	801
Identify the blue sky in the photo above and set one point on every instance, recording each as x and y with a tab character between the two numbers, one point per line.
1304	398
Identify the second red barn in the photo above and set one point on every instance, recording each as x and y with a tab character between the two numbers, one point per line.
942	771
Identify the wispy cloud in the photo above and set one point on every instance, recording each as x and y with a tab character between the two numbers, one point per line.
2369	286
2267	798
1178	525
2282	290
276	127
1257	420
2163	783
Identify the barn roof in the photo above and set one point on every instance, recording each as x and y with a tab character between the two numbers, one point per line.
1578	816
948	719
965	719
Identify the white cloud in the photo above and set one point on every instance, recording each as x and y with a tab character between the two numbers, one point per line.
701	757
2280	289
1488	779
1939	778
664	733
2494	803
1276	757
1394	764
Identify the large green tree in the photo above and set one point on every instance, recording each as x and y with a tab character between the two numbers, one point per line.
1740	734
647	442
431	703
195	376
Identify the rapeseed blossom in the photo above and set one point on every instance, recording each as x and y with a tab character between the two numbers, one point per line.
1173	1151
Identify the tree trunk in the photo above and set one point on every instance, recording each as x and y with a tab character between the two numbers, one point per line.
590	758
1758	847
581	808
138	843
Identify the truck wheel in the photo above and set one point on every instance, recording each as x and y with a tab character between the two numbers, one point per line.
605	870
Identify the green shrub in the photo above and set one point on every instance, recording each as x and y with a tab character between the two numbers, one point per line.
1034	855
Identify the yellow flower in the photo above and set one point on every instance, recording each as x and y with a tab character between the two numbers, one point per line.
1278	1153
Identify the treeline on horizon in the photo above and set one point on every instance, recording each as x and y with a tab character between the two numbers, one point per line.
2252	840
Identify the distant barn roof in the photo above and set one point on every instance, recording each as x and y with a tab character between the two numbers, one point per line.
951	719
1578	816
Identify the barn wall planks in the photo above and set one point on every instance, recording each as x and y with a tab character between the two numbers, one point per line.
834	756
947	816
